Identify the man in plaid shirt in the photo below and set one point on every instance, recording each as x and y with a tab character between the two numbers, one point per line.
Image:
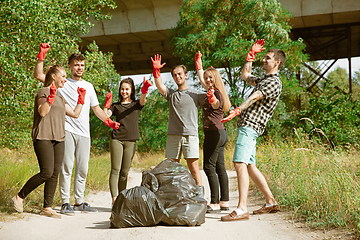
254	113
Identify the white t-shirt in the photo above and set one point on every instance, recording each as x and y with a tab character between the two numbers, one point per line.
80	125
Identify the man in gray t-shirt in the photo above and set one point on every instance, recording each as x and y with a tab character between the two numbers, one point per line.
184	104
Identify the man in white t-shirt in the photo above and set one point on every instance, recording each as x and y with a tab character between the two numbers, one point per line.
77	131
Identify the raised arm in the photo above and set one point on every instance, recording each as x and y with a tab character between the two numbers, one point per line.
156	72
39	67
45	104
199	69
75	113
144	91
107	104
215	103
246	72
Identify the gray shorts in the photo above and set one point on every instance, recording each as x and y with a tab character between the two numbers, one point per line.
177	144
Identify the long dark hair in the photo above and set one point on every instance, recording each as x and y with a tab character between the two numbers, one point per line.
55	69
131	83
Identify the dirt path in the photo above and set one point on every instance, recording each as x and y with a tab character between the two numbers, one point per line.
96	225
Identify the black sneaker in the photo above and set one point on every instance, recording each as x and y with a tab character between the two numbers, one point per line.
67	210
84	207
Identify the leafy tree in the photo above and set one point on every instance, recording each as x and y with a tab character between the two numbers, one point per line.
336	115
224	32
24	25
336	80
153	123
356	76
340	78
332	111
356	85
307	76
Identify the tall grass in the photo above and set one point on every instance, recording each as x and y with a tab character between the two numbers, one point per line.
15	169
317	184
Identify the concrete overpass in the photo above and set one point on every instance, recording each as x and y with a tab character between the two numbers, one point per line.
139	29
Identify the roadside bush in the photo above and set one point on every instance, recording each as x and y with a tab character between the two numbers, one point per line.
337	116
319	185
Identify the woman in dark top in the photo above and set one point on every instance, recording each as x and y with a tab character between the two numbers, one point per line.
48	135
214	106
123	140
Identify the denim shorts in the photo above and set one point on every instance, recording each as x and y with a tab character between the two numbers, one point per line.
187	145
245	147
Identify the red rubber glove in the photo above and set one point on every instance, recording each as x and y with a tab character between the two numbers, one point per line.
210	95
44	48
157	65
198	62
81	98
256	48
232	114
108	100
51	97
145	87
110	123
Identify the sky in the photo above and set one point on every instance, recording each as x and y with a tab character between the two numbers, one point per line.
343	63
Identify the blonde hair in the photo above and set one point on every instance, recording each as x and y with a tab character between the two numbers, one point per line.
55	69
219	85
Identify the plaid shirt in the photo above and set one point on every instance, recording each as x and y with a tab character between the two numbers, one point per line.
258	114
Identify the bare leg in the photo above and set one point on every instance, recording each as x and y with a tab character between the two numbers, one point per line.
193	166
261	183
243	184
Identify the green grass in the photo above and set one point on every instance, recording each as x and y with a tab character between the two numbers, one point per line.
317	184
320	185
15	169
